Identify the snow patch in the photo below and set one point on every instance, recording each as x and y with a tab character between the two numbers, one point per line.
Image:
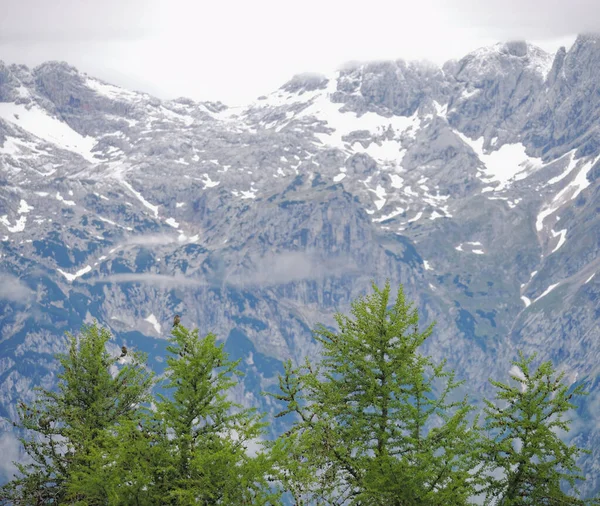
19	226
19	148
441	110
417	217
60	198
410	192
590	278
539	222
154	322
561	241
208	182
381	194
344	123
526	300
248	194
106	220
505	165
179	204
570	167
24	207
547	291
387	150
427	266
570	192
172	222
393	214
38	122
147	204
468	94
575	187
72	277
110	91
396	181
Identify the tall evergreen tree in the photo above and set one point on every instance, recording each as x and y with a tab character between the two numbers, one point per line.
527	459
376	422
65	429
203	440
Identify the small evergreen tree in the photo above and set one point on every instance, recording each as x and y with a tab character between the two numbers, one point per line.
203	439
66	429
375	422
527	460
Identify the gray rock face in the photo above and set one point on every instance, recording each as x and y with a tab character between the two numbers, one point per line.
499	87
475	185
567	116
397	88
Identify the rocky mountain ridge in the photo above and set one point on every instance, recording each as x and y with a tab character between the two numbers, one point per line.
475	185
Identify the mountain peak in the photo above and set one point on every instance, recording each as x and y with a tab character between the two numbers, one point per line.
305	82
585	46
55	66
585	38
518	48
501	57
514	48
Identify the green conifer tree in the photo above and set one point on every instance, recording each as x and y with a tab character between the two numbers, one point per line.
527	460
376	421
65	429
204	441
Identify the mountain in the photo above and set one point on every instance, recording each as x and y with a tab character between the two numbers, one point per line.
476	185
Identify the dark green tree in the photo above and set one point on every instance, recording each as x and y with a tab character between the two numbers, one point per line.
376	422
527	460
65	429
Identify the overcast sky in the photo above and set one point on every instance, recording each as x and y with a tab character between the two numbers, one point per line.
235	50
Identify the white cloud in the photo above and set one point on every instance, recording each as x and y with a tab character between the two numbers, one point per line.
150	279
531	19
287	267
13	289
235	50
9	449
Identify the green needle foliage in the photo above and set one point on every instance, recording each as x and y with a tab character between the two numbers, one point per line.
528	460
204	439
376	422
66	428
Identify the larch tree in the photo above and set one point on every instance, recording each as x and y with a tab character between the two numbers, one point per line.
527	460
376	422
208	447
65	429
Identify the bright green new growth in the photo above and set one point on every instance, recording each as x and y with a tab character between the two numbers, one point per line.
203	438
375	422
67	427
524	445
